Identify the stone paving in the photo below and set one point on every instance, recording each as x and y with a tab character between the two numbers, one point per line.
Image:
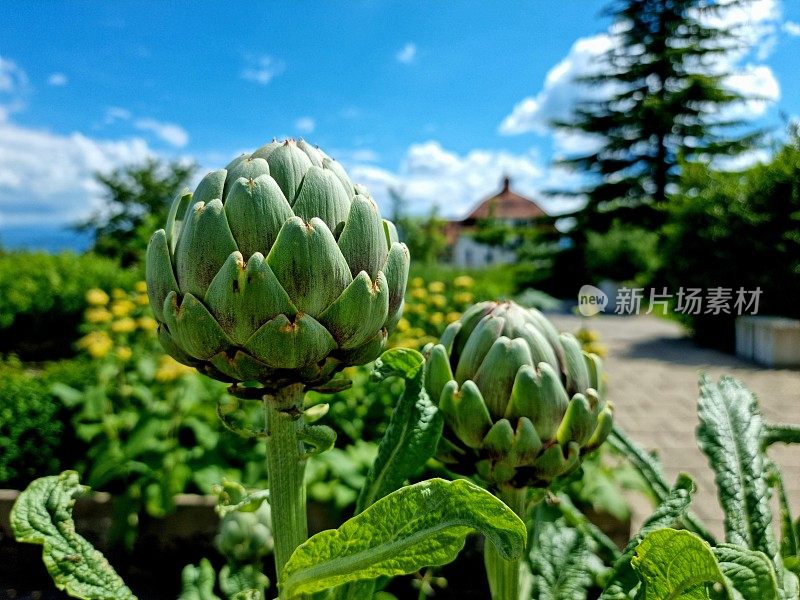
652	372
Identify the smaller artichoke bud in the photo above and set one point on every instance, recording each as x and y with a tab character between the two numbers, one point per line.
246	536
522	403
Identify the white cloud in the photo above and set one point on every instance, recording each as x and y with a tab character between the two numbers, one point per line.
742	161
116	113
171	133
365	155
57	80
350	113
755	24
12	78
792	28
432	176
757	81
305	124
60	189
560	92
13	87
262	70
407	54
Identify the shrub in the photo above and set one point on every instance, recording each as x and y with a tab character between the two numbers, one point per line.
42	297
624	253
34	440
737	231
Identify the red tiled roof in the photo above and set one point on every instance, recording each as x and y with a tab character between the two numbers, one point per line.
506	205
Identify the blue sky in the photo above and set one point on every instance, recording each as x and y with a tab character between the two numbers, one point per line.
438	99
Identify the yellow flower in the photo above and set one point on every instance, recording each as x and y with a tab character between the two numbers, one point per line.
419	293
124	353
98	315
402	325
437	287
96	343
438	301
96	297
126	325
118	294
416	309
147	324
463	281
141	287
142	299
170	369
452	316
417	282
122	308
462	298
436	319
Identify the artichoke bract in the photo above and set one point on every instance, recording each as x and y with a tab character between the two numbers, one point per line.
522	404
277	270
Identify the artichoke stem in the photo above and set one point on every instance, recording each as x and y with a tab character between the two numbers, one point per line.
504	575
286	466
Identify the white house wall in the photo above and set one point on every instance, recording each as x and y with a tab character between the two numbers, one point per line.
468	253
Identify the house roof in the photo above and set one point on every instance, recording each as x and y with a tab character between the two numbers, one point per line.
506	204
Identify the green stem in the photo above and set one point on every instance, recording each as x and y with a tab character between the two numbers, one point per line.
504	574
286	466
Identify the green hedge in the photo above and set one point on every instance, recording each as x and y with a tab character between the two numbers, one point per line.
42	298
737	230
35	437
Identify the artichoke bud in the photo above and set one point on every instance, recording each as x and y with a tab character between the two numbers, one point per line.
276	271
522	404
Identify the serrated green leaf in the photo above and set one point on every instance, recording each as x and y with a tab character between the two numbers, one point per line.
730	435
667	514
751	574
245	582
43	515
413	431
780	434
419	525
650	469
789	543
676	565
575	518
560	563
197	582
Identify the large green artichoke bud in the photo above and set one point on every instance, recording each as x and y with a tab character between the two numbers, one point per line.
277	270
521	403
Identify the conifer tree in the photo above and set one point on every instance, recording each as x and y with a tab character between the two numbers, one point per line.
667	105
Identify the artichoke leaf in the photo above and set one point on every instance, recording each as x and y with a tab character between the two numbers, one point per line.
396	272
160	275
359	312
284	344
256	210
204	246
288	165
193	328
309	265
363	242
244	297
250	167
498	371
321	195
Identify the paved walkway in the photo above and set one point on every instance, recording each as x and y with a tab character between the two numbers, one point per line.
652	372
